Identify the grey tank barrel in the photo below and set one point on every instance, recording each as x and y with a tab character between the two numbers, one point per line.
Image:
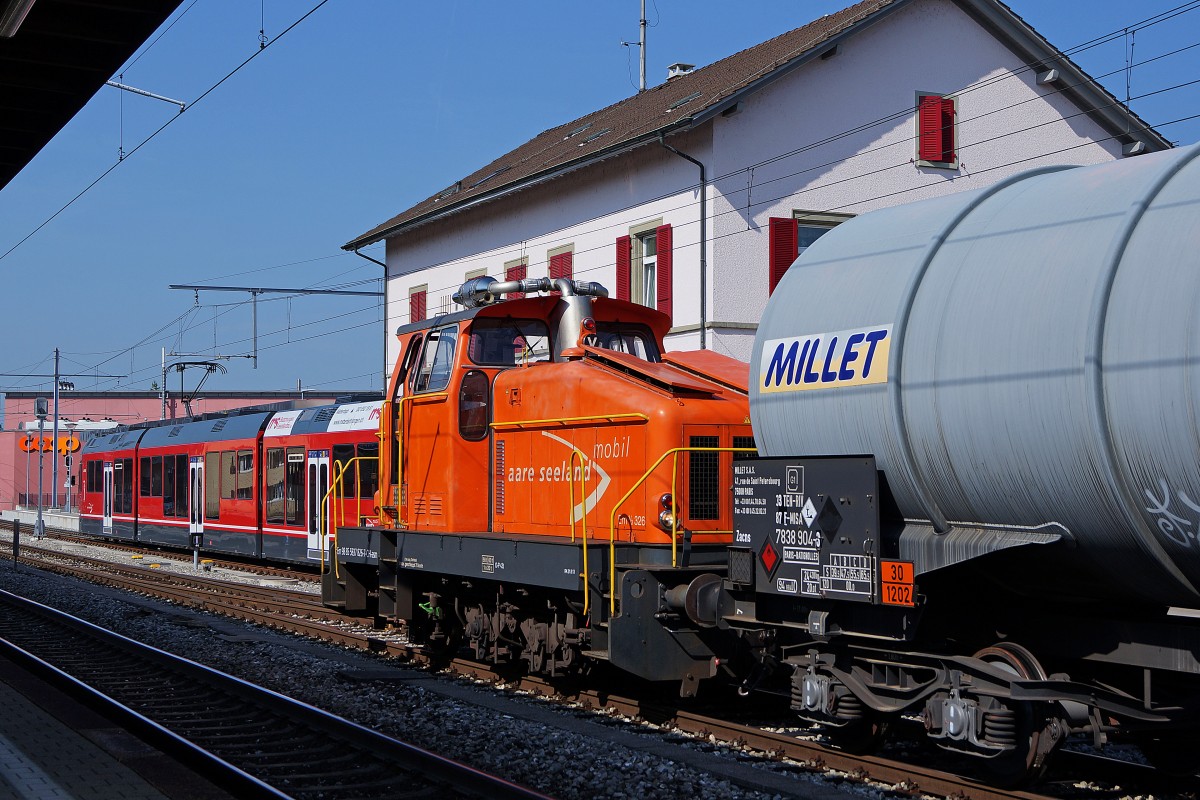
1020	359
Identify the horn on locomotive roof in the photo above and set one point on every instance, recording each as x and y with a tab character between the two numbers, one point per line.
487	290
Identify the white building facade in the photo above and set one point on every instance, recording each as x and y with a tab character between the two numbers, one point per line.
885	103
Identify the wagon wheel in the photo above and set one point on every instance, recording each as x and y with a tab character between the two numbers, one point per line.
1036	727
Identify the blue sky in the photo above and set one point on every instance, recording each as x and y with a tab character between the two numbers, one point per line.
360	111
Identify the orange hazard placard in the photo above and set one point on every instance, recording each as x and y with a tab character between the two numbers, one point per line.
896	579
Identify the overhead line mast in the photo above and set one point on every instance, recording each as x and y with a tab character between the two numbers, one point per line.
256	291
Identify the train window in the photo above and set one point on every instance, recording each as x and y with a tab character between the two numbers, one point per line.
212	485
276	468
295	486
344	453
508	342
437	360
144	473
368	469
168	485
181	485
126	505
408	375
624	337
245	475
474	406
228	475
156	481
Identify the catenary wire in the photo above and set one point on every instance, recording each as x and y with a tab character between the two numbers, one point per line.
160	129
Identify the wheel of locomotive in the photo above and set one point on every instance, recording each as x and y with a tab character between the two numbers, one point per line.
1034	728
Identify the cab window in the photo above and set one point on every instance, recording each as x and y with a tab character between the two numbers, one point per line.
637	340
437	360
508	342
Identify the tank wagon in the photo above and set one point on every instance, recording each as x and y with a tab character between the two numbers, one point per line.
981	470
553	485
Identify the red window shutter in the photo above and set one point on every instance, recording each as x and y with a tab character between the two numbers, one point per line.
516	272
929	125
936	127
784	235
947	122
662	276
416	306
624	266
560	265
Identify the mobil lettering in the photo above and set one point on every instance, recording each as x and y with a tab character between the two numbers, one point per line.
826	360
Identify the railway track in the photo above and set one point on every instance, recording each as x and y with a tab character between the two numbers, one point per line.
302	613
254	742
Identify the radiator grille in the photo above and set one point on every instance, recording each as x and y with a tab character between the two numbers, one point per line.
703	492
499	490
743	441
741	566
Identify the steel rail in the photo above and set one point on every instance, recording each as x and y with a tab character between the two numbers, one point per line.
202	714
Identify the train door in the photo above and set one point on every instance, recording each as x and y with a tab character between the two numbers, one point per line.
108	497
319	516
196	496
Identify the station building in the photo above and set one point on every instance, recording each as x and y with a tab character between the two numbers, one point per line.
695	196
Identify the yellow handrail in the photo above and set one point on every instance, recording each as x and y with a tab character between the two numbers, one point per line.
339	470
612	519
583	518
611	419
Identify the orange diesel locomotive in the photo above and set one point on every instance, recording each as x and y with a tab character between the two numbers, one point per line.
551	484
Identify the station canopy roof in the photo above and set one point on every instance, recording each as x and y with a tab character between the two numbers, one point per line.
61	53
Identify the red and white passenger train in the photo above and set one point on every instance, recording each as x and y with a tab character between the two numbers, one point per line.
256	482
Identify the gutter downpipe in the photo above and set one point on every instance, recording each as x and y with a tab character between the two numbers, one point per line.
662	140
386	367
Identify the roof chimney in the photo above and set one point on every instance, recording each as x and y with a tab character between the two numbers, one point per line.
679	68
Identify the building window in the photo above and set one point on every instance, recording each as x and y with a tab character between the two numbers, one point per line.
791	236
562	262
936	140
416	302
644	266
516	270
477	273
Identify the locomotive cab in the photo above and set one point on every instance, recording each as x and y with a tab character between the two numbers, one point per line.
549	475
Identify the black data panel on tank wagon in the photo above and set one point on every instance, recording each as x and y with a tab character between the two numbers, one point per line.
812	525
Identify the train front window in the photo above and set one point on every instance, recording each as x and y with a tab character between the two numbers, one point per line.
508	342
624	337
437	360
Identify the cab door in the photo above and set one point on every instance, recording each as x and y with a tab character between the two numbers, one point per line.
196	497
108	497
319	516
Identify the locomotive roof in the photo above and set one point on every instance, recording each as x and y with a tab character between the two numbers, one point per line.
605	309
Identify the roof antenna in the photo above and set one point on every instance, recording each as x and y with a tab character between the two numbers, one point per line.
642	47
